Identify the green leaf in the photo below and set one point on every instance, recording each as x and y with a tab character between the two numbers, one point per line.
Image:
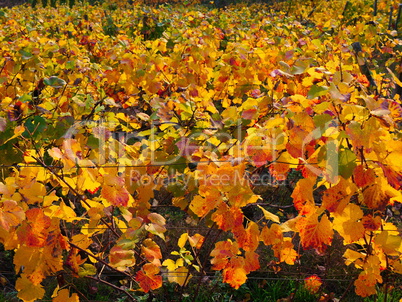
55	82
26	55
347	162
321	120
87	270
300	67
34	125
316	91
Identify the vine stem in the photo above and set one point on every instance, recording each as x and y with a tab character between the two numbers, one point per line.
113	286
101	261
347	289
75	192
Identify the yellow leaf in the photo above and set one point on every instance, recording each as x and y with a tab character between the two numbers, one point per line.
27	291
17	132
348	223
172	265
351	256
64	296
390	242
395	78
269	216
180	276
61	211
182	240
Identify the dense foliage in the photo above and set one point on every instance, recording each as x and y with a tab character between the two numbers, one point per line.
110	111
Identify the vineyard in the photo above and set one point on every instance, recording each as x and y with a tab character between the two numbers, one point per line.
173	152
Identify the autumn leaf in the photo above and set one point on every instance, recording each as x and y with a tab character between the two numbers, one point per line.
348	223
179	275
148	278
202	206
223	251
249	239
389	242
156	225
315	233
227	217
312	284
196	240
173	265
114	191
251	262
272	235
369	277
27	291
303	195
285	252
268	215
235	274
363	177
371	223
11	214
33	232
336	198
63	295
74	261
121	258
86	269
151	251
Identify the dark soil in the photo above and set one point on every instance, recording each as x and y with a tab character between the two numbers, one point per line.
11	3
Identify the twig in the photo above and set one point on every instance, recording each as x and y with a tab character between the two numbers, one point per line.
113	286
347	289
74	192
390	17
101	261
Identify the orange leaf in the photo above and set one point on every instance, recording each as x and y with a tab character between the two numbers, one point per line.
235	274
279	170
200	207
285	252
315	234
394	177
369	277
337	197
151	251
116	196
303	195
251	262
363	177
250	239
348	223
227	218
34	231
148	278
114	190
371	223
73	261
196	240
312	284
272	235
223	251
11	214
121	258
